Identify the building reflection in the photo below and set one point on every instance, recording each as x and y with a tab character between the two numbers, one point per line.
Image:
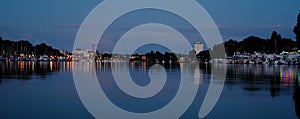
252	77
25	70
198	76
274	79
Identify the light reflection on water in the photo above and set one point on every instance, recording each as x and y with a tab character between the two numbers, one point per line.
24	70
251	91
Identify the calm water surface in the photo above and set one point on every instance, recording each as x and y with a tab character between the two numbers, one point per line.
47	90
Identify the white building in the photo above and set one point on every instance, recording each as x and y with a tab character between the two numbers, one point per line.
83	55
198	47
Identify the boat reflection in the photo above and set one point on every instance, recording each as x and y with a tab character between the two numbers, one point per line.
271	81
251	76
254	77
23	70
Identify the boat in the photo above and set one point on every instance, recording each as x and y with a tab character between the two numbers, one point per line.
44	58
2	58
228	60
23	58
61	58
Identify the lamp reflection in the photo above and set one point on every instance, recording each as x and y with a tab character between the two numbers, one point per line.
23	70
287	76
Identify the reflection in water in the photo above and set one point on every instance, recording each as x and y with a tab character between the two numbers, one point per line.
253	77
297	97
275	80
287	76
198	76
26	70
281	78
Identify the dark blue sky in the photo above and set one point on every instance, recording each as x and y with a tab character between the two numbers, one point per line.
57	21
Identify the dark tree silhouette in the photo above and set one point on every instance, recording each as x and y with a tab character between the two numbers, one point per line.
297	31
231	46
24	47
217	51
204	55
15	48
192	54
252	44
1	46
273	43
106	56
153	57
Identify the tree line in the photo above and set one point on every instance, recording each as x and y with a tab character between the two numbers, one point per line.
274	44
14	48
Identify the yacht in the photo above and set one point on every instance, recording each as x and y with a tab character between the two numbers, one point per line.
44	58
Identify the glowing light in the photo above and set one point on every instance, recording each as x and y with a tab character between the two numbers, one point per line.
281	77
299	78
293	75
288	76
51	63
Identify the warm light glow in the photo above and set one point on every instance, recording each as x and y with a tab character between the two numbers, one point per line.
51	63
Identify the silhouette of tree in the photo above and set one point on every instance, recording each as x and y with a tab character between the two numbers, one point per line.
192	55
218	51
44	49
273	43
1	46
8	47
252	44
106	56
297	31
12	48
232	46
285	44
24	47
204	55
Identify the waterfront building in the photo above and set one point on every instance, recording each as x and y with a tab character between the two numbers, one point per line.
198	47
83	55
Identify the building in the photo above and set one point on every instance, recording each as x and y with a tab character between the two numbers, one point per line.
83	55
198	47
64	52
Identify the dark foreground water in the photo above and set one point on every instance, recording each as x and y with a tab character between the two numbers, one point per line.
47	90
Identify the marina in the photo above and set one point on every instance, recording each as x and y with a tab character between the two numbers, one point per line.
152	59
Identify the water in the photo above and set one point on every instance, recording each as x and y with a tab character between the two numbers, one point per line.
47	90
